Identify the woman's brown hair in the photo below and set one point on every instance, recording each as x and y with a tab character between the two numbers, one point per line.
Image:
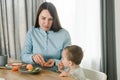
56	26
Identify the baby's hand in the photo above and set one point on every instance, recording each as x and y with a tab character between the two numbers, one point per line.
60	66
64	74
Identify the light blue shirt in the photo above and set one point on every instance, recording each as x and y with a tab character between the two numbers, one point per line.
49	44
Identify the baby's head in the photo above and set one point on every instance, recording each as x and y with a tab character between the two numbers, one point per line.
72	55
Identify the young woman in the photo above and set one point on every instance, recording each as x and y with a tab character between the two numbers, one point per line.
45	42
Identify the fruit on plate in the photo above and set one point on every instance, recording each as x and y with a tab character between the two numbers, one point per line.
36	69
29	67
15	68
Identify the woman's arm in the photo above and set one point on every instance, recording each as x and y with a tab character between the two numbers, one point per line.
26	55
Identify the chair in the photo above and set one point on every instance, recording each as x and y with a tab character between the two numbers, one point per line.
94	75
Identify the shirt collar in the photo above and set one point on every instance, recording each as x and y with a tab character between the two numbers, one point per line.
45	32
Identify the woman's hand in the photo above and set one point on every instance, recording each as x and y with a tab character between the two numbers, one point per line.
38	58
50	63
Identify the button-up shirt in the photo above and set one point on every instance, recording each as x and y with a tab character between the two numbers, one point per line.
49	44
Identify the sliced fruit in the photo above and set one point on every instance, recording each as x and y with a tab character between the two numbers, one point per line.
61	64
15	68
45	63
29	67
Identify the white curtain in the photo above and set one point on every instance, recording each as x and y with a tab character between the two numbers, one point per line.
16	17
82	19
88	26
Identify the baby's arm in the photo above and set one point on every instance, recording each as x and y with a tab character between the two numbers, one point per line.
64	74
61	69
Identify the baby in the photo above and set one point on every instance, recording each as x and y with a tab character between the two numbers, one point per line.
71	58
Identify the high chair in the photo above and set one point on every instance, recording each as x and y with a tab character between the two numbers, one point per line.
94	75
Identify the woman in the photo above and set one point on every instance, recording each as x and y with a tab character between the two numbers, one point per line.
45	42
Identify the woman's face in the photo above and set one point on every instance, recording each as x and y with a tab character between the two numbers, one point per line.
45	20
65	61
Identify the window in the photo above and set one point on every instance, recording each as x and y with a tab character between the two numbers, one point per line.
82	19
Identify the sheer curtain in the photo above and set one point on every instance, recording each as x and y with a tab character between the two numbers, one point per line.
82	19
16	17
88	27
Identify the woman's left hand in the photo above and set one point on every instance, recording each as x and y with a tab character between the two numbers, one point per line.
50	63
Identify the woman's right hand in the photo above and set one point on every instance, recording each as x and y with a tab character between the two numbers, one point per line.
38	58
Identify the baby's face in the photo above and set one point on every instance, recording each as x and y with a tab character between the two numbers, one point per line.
65	61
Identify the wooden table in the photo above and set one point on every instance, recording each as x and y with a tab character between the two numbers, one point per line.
43	75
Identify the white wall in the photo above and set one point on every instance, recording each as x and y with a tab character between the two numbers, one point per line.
117	23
